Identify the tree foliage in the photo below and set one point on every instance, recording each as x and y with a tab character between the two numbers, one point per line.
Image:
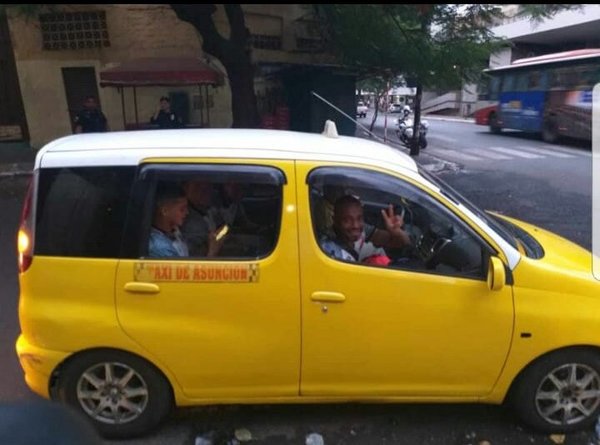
431	45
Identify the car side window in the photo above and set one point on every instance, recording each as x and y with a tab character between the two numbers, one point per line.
376	220
206	211
81	211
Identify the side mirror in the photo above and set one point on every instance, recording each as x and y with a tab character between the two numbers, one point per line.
496	274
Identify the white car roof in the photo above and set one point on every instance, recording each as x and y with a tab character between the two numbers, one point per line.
130	147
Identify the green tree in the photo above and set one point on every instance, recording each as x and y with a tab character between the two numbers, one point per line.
431	45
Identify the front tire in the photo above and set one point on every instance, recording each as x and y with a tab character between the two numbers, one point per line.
560	392
121	394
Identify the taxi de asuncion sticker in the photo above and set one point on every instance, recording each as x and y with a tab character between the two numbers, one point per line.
196	273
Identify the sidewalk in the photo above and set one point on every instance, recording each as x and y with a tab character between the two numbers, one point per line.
16	159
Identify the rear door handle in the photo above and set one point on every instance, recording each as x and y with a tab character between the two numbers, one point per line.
142	288
328	297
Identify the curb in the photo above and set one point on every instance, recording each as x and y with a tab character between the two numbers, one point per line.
13	174
10	170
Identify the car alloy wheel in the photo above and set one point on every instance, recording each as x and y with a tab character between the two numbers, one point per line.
112	393
123	395
559	392
568	394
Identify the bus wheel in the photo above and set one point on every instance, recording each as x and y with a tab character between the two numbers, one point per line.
550	132
494	128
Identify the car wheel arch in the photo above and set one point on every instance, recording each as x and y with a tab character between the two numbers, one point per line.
517	379
54	379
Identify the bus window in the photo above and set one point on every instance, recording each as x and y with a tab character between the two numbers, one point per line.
558	79
588	77
508	84
521	82
494	90
535	81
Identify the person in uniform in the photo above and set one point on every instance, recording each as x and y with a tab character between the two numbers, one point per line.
90	119
164	117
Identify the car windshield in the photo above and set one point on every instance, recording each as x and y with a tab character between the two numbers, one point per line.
456	197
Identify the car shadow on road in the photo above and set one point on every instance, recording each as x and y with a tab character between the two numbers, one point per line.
366	424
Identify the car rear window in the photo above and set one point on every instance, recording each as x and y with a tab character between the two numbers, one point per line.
81	211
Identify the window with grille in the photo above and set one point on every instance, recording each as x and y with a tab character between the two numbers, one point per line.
260	41
308	44
74	30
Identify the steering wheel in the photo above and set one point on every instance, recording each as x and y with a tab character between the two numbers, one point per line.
430	247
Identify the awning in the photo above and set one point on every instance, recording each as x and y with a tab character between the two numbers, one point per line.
160	72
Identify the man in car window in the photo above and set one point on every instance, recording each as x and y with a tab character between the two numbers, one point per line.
354	240
204	221
169	213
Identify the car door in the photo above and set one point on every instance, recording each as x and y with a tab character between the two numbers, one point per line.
403	330
225	327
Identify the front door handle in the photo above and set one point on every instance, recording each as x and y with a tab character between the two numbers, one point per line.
328	297
142	288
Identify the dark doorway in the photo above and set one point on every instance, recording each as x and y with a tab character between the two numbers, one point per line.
79	82
180	104
307	113
13	124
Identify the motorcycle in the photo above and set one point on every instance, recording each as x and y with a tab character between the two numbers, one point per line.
405	131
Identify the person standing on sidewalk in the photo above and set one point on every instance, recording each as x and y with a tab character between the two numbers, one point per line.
164	117
90	119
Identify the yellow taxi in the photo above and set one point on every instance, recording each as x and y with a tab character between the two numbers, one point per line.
190	267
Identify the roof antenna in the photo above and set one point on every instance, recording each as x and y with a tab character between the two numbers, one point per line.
330	130
353	120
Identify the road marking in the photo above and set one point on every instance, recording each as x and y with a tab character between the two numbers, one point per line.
517	153
491	155
455	154
443	138
546	152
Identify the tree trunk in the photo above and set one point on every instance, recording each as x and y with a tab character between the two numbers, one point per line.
378	95
243	98
233	53
414	143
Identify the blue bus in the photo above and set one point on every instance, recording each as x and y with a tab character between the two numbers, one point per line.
550	95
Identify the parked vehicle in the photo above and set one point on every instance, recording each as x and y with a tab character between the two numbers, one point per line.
405	131
474	307
361	109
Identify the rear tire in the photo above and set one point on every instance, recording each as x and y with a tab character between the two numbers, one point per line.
121	394
494	127
423	142
560	392
550	131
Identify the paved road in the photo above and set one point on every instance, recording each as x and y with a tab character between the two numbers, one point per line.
513	173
